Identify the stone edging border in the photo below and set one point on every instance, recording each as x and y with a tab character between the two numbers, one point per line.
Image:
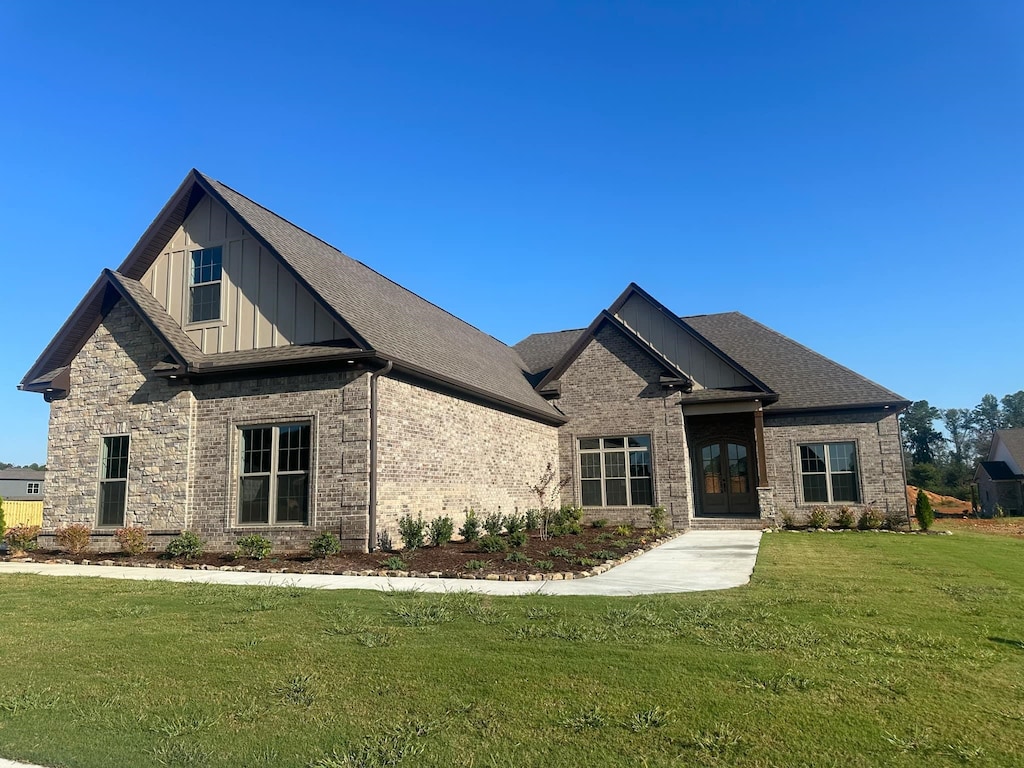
597	570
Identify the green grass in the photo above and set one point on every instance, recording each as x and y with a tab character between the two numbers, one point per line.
846	650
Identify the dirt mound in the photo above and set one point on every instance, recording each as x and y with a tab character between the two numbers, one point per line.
939	502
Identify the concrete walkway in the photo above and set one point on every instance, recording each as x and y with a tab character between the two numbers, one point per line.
695	562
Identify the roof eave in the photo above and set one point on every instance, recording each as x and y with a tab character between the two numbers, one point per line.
896	406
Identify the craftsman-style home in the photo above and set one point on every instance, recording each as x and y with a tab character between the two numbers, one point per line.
236	374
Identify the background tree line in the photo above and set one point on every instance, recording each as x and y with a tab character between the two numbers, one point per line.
33	465
944	463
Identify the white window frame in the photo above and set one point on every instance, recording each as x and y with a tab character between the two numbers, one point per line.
626	449
274	474
32	488
103	480
192	285
855	472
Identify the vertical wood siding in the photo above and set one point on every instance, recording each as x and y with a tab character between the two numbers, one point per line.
23	513
262	305
705	367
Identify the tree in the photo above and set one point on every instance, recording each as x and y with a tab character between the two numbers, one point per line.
920	438
1013	409
957	422
923	511
986	418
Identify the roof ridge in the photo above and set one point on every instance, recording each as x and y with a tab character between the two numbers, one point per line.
350	258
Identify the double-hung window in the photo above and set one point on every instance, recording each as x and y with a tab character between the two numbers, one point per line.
274	481
204	285
113	480
829	472
616	471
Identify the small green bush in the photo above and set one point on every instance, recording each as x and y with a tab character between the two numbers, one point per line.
819	517
567	521
132	539
494	524
923	511
188	545
491	543
394	563
896	521
624	530
870	519
517	539
22	538
516	557
561	552
412	531
440	531
470	530
74	538
475	565
324	544
544	565
605	554
787	520
515	524
3	524
384	542
599	523
533	518
253	546
658	517
844	518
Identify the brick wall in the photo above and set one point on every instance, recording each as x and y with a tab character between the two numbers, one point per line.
880	467
613	389
440	455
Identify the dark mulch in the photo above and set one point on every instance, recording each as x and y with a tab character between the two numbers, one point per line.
592	546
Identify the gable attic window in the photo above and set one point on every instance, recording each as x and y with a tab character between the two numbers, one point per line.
204	285
32	489
274	482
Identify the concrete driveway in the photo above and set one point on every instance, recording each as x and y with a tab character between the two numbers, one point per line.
695	562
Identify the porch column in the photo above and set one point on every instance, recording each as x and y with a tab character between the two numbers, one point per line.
762	460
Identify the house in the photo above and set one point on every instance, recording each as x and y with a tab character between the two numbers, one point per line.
236	374
1000	479
22	493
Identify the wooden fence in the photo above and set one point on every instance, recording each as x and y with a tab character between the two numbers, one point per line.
23	513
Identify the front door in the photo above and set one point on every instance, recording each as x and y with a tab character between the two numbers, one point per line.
726	480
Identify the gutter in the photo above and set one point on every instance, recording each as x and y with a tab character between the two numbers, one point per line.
371	536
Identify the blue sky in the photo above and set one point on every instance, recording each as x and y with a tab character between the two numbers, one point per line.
850	174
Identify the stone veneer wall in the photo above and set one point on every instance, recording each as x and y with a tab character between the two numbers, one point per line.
613	389
441	455
112	392
336	404
880	466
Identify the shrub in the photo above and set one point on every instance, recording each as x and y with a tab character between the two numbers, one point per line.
22	538
3	525
516	557
599	523
624	530
566	521
544	565
470	530
819	517
974	507
786	519
133	540
188	545
561	552
605	554
384	542
533	517
515	524
844	518
475	565
412	531
923	511
491	543
440	531
494	524
253	546
517	539
870	519
324	544
658	517
74	538
896	521
1000	512
394	563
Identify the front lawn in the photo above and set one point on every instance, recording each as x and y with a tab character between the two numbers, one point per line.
852	649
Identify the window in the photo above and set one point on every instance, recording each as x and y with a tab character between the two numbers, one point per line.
274	482
616	471
32	489
204	286
829	472
113	480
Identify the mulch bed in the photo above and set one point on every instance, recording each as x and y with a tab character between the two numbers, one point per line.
592	551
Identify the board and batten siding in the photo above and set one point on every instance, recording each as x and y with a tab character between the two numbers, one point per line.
707	369
262	305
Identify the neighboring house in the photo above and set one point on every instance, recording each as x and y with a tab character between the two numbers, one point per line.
1001	479
238	375
22	494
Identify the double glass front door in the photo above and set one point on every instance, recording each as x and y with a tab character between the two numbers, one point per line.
726	482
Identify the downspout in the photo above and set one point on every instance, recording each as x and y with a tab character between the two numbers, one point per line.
371	542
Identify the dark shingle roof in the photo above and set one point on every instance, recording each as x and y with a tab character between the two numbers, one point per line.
17	473
802	378
541	351
998	470
1013	439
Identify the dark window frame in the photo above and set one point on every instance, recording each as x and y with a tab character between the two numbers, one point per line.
616	470
822	466
280	465
206	270
32	488
112	495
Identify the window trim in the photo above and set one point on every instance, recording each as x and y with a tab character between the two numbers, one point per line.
32	488
273	474
829	472
191	285
109	480
626	449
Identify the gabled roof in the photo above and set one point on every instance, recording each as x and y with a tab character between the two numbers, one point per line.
381	317
803	379
998	470
542	351
20	473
